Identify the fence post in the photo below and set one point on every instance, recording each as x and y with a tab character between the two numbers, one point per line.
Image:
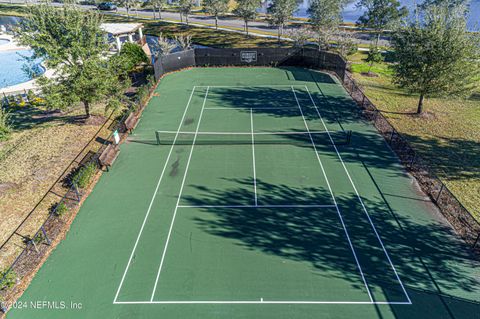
76	192
412	160
440	193
49	242
476	241
32	241
391	137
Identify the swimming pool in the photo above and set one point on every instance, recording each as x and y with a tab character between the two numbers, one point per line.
14	69
4	41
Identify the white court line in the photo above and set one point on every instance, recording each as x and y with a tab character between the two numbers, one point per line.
286	302
359	197
334	200
254	108
179	196
256	206
248	86
152	200
253	158
244	133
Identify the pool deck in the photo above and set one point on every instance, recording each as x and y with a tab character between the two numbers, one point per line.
12	45
21	87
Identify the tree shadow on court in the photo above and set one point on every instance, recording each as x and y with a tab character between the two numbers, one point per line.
307	75
335	107
432	262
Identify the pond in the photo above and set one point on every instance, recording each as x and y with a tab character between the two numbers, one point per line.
351	13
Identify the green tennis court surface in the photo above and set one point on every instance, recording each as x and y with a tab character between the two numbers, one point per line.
242	194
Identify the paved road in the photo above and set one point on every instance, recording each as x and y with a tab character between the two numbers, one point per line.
224	22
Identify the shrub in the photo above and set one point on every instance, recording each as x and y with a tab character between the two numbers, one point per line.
5	128
8	279
12	102
21	101
134	55
83	176
38	101
35	100
150	81
30	95
39	238
142	94
59	208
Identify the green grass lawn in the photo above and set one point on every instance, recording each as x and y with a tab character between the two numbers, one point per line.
448	135
202	35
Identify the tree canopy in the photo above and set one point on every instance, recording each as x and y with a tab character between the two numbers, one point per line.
247	10
325	16
156	5
127	4
280	11
71	41
381	14
437	56
186	7
216	8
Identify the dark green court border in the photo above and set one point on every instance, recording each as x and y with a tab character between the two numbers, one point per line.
438	272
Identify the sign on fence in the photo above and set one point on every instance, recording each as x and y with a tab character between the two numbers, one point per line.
116	137
248	56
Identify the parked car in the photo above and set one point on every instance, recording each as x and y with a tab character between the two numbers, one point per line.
107	6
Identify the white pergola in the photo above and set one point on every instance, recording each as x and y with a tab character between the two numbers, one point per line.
119	30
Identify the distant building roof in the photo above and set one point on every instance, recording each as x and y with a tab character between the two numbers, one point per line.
120	28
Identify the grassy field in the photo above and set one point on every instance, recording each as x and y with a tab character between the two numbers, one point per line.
203	36
448	135
200	35
42	145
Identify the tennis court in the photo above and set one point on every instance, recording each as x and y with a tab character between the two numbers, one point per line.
254	193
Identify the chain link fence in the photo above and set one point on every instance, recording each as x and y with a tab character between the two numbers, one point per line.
27	246
459	217
28	251
210	57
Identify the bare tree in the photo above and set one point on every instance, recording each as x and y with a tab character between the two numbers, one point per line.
166	45
184	41
300	36
345	41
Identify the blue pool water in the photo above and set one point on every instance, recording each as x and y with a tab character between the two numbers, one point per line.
14	69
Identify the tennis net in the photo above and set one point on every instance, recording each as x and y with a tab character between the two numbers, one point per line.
240	138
